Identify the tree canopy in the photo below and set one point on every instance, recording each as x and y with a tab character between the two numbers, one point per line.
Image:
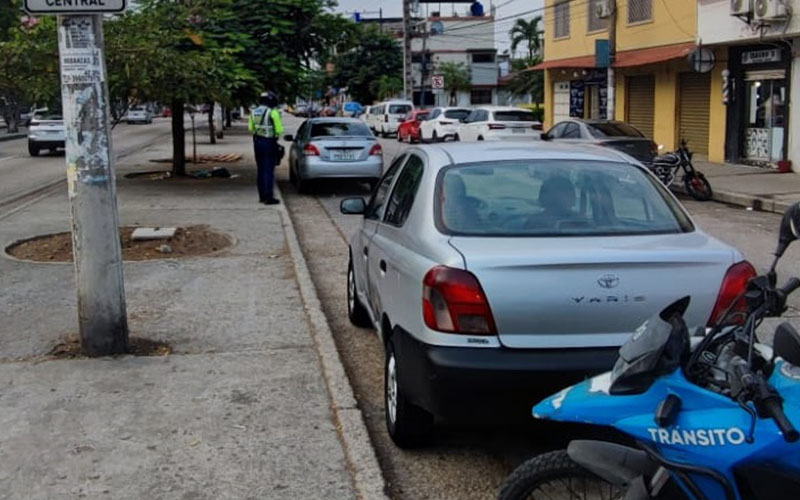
457	79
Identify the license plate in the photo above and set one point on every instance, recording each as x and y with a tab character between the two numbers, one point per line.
344	155
518	130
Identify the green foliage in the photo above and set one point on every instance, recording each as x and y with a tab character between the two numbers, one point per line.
457	79
525	81
529	33
387	86
373	53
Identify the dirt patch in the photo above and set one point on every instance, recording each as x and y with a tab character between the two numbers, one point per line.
70	348
188	241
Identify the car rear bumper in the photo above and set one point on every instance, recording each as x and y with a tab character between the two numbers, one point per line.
316	168
47	143
458	382
389	127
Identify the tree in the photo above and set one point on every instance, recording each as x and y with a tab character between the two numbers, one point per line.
456	79
375	53
525	81
527	32
387	86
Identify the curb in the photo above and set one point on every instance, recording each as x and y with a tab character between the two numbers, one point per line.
11	137
757	203
366	472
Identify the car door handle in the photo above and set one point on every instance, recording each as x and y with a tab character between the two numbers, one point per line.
383	265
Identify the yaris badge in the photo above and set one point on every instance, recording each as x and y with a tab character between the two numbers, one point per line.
608	280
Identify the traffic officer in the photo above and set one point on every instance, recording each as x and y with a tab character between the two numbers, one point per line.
266	126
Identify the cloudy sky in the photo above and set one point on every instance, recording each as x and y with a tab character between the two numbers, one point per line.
505	8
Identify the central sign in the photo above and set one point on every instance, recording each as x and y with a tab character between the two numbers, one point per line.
437	81
75	6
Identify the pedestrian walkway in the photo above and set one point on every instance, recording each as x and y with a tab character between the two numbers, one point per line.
757	188
248	406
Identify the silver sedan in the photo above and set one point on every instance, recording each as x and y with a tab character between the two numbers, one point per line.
327	148
486	267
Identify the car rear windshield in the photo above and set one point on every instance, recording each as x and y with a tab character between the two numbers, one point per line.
399	109
514	116
456	114
554	198
614	130
337	129
137	109
47	117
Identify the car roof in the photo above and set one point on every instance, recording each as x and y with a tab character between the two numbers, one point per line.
502	108
470	152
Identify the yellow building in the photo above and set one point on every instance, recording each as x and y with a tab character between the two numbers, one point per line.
655	88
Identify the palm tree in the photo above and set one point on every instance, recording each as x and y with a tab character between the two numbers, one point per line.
529	33
456	79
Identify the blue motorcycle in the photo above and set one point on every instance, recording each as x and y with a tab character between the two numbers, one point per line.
710	416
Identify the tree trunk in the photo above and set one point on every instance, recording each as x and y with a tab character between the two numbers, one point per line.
228	118
178	139
212	136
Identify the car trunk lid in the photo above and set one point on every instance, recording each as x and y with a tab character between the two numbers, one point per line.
337	149
639	148
591	292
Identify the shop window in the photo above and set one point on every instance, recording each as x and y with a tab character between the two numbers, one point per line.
766	117
480	96
597	23
561	22
640	10
483	57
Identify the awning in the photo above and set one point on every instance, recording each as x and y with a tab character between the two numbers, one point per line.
625	59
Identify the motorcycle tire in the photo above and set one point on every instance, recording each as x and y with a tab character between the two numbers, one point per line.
698	187
547	473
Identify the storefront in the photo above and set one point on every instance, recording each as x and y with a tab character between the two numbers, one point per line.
640	103
758	111
589	94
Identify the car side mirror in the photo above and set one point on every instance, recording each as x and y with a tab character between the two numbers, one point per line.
790	228
544	136
786	343
288	138
353	206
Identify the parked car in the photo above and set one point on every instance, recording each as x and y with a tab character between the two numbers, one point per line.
46	131
374	117
334	148
138	114
391	114
486	270
442	124
498	123
27	116
301	110
167	112
364	116
408	130
609	133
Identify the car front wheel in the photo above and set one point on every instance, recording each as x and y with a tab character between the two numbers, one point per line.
409	425
33	150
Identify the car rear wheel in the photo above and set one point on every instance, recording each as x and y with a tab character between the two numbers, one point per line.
480	137
355	309
456	138
292	176
409	425
33	150
301	185
435	137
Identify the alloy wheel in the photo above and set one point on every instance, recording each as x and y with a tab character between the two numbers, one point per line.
391	388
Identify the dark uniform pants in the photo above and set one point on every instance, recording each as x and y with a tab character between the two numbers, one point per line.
266	151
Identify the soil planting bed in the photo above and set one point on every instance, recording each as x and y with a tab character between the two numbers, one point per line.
70	348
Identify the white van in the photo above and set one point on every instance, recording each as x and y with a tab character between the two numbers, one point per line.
390	116
374	116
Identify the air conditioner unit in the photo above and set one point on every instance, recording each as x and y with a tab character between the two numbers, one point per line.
765	11
603	9
741	7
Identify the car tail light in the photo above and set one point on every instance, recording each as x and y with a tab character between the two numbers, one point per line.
496	126
733	286
376	150
453	301
311	150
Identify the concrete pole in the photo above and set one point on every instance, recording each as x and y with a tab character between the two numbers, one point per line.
92	190
408	84
612	50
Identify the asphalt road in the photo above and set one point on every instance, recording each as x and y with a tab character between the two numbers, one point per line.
465	463
21	174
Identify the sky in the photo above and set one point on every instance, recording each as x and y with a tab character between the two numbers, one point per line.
394	8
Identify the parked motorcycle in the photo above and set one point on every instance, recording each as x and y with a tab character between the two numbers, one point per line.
666	168
712	416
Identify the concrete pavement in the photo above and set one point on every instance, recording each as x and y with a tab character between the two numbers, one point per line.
252	404
754	187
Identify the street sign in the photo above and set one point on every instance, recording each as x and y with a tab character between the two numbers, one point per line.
437	81
75	6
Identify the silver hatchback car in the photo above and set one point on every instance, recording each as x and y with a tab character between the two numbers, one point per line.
327	148
486	267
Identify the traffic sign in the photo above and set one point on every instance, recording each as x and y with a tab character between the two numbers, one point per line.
75	6
437	81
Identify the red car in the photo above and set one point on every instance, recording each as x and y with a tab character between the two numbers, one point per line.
408	130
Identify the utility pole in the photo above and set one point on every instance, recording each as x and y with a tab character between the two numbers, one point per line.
408	83
424	71
612	50
92	188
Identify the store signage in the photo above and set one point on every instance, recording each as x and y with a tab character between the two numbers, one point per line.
761	56
74	6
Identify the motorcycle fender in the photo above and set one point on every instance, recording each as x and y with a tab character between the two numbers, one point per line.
617	464
588	402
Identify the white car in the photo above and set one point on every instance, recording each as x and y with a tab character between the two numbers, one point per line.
442	124
391	113
46	131
499	123
364	117
138	114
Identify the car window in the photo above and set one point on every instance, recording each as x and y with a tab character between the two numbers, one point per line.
557	131
472	116
339	129
399	109
571	131
456	114
405	189
378	198
435	114
547	198
611	129
483	116
514	116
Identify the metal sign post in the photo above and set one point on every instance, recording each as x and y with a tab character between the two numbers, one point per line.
92	190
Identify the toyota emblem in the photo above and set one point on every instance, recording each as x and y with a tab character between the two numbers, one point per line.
608	280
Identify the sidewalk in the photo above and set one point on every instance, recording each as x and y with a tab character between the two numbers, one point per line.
759	188
251	404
